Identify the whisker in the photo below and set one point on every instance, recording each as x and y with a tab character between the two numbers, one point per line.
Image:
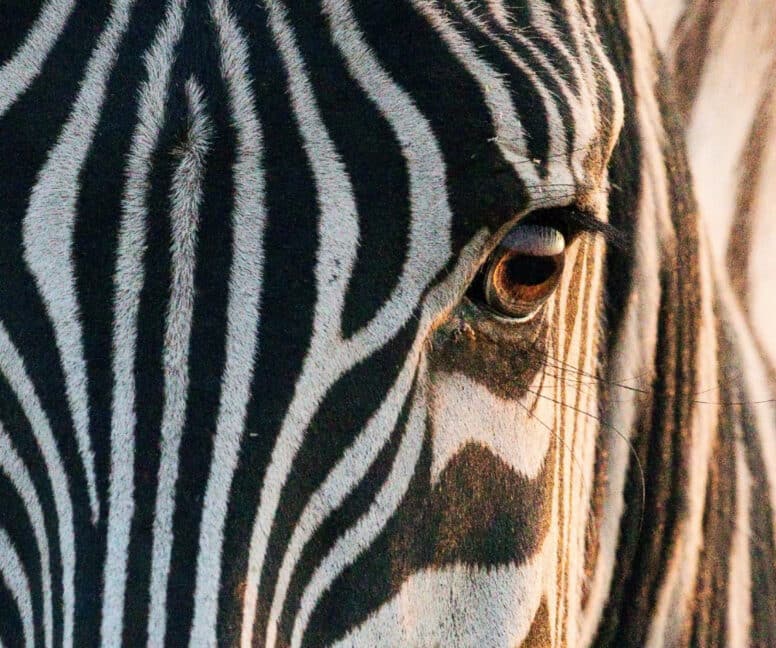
618	433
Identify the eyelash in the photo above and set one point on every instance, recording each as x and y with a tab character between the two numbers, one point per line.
572	222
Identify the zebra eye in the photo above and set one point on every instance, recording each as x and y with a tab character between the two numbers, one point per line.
523	271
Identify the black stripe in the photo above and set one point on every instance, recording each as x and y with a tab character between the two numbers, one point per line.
562	21
24	316
625	180
691	43
624	168
11	629
95	239
16	19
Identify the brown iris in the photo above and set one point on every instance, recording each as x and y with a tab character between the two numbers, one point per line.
523	272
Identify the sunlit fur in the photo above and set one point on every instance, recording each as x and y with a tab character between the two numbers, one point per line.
248	392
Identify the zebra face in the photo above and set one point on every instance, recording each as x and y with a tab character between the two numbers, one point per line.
492	526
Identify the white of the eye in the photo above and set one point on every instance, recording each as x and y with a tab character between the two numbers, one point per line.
534	240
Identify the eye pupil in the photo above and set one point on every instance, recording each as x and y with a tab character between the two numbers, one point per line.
528	270
518	284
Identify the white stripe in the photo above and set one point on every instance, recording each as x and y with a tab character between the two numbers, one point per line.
129	282
20	71
762	261
12	367
466	411
15	578
739	608
184	217
664	16
243	321
737	69
48	231
330	356
12	465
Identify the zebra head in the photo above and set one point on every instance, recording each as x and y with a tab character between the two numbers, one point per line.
317	322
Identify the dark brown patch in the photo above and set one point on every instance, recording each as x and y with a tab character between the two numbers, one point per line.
539	634
749	184
480	512
502	356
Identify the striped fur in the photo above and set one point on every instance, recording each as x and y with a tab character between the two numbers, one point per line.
247	396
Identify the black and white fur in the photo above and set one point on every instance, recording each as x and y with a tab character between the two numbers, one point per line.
245	398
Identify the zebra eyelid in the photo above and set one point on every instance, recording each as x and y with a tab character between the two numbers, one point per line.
534	240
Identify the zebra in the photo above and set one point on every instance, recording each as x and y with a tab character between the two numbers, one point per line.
415	323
